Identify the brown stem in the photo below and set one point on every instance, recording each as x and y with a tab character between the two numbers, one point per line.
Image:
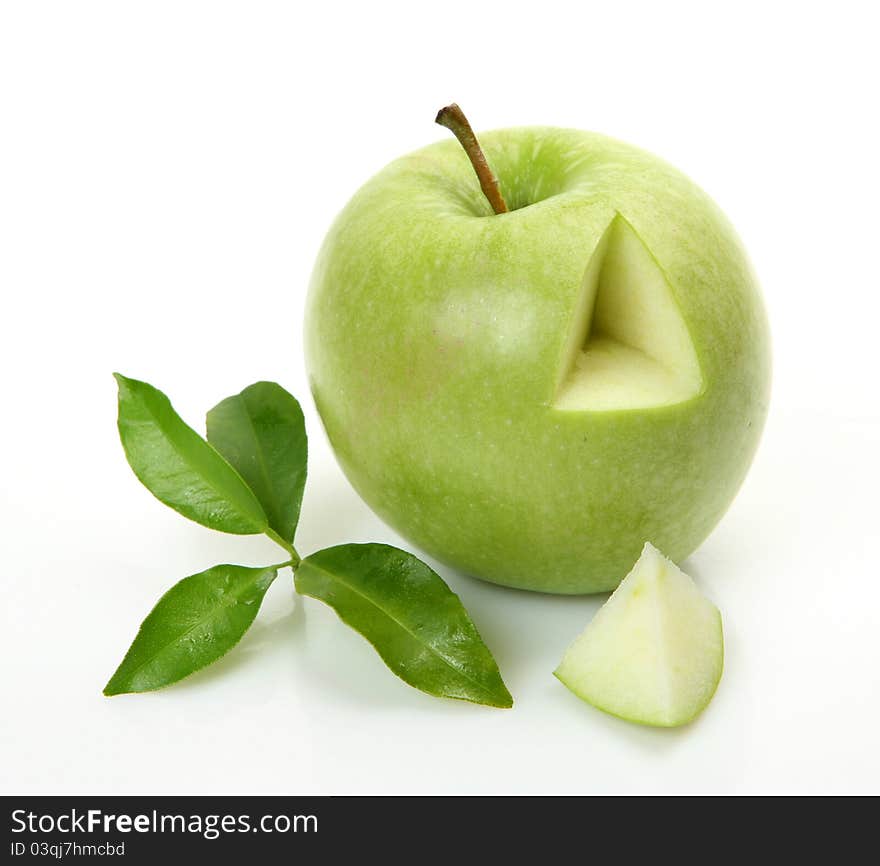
452	117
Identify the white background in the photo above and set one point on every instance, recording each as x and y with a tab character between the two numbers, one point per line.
167	172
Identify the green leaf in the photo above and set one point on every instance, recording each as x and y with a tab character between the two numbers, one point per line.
179	467
412	618
195	623
261	432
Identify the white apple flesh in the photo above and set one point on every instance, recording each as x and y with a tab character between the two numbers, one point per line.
629	347
654	652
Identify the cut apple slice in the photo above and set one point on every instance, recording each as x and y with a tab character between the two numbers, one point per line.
628	346
654	652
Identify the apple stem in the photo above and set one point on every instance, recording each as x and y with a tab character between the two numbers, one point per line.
452	117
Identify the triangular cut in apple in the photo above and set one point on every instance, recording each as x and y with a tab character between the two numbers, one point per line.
628	346
654	652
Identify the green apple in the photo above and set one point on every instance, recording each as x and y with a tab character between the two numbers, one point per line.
654	652
528	396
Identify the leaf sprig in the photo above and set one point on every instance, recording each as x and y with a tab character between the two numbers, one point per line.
247	478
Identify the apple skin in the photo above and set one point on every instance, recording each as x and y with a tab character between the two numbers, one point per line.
434	331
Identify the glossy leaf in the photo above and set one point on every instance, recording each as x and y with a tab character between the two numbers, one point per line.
179	467
195	623
261	432
412	618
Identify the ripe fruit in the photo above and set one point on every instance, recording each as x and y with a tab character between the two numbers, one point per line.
528	396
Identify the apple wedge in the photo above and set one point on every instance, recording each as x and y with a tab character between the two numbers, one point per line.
654	652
